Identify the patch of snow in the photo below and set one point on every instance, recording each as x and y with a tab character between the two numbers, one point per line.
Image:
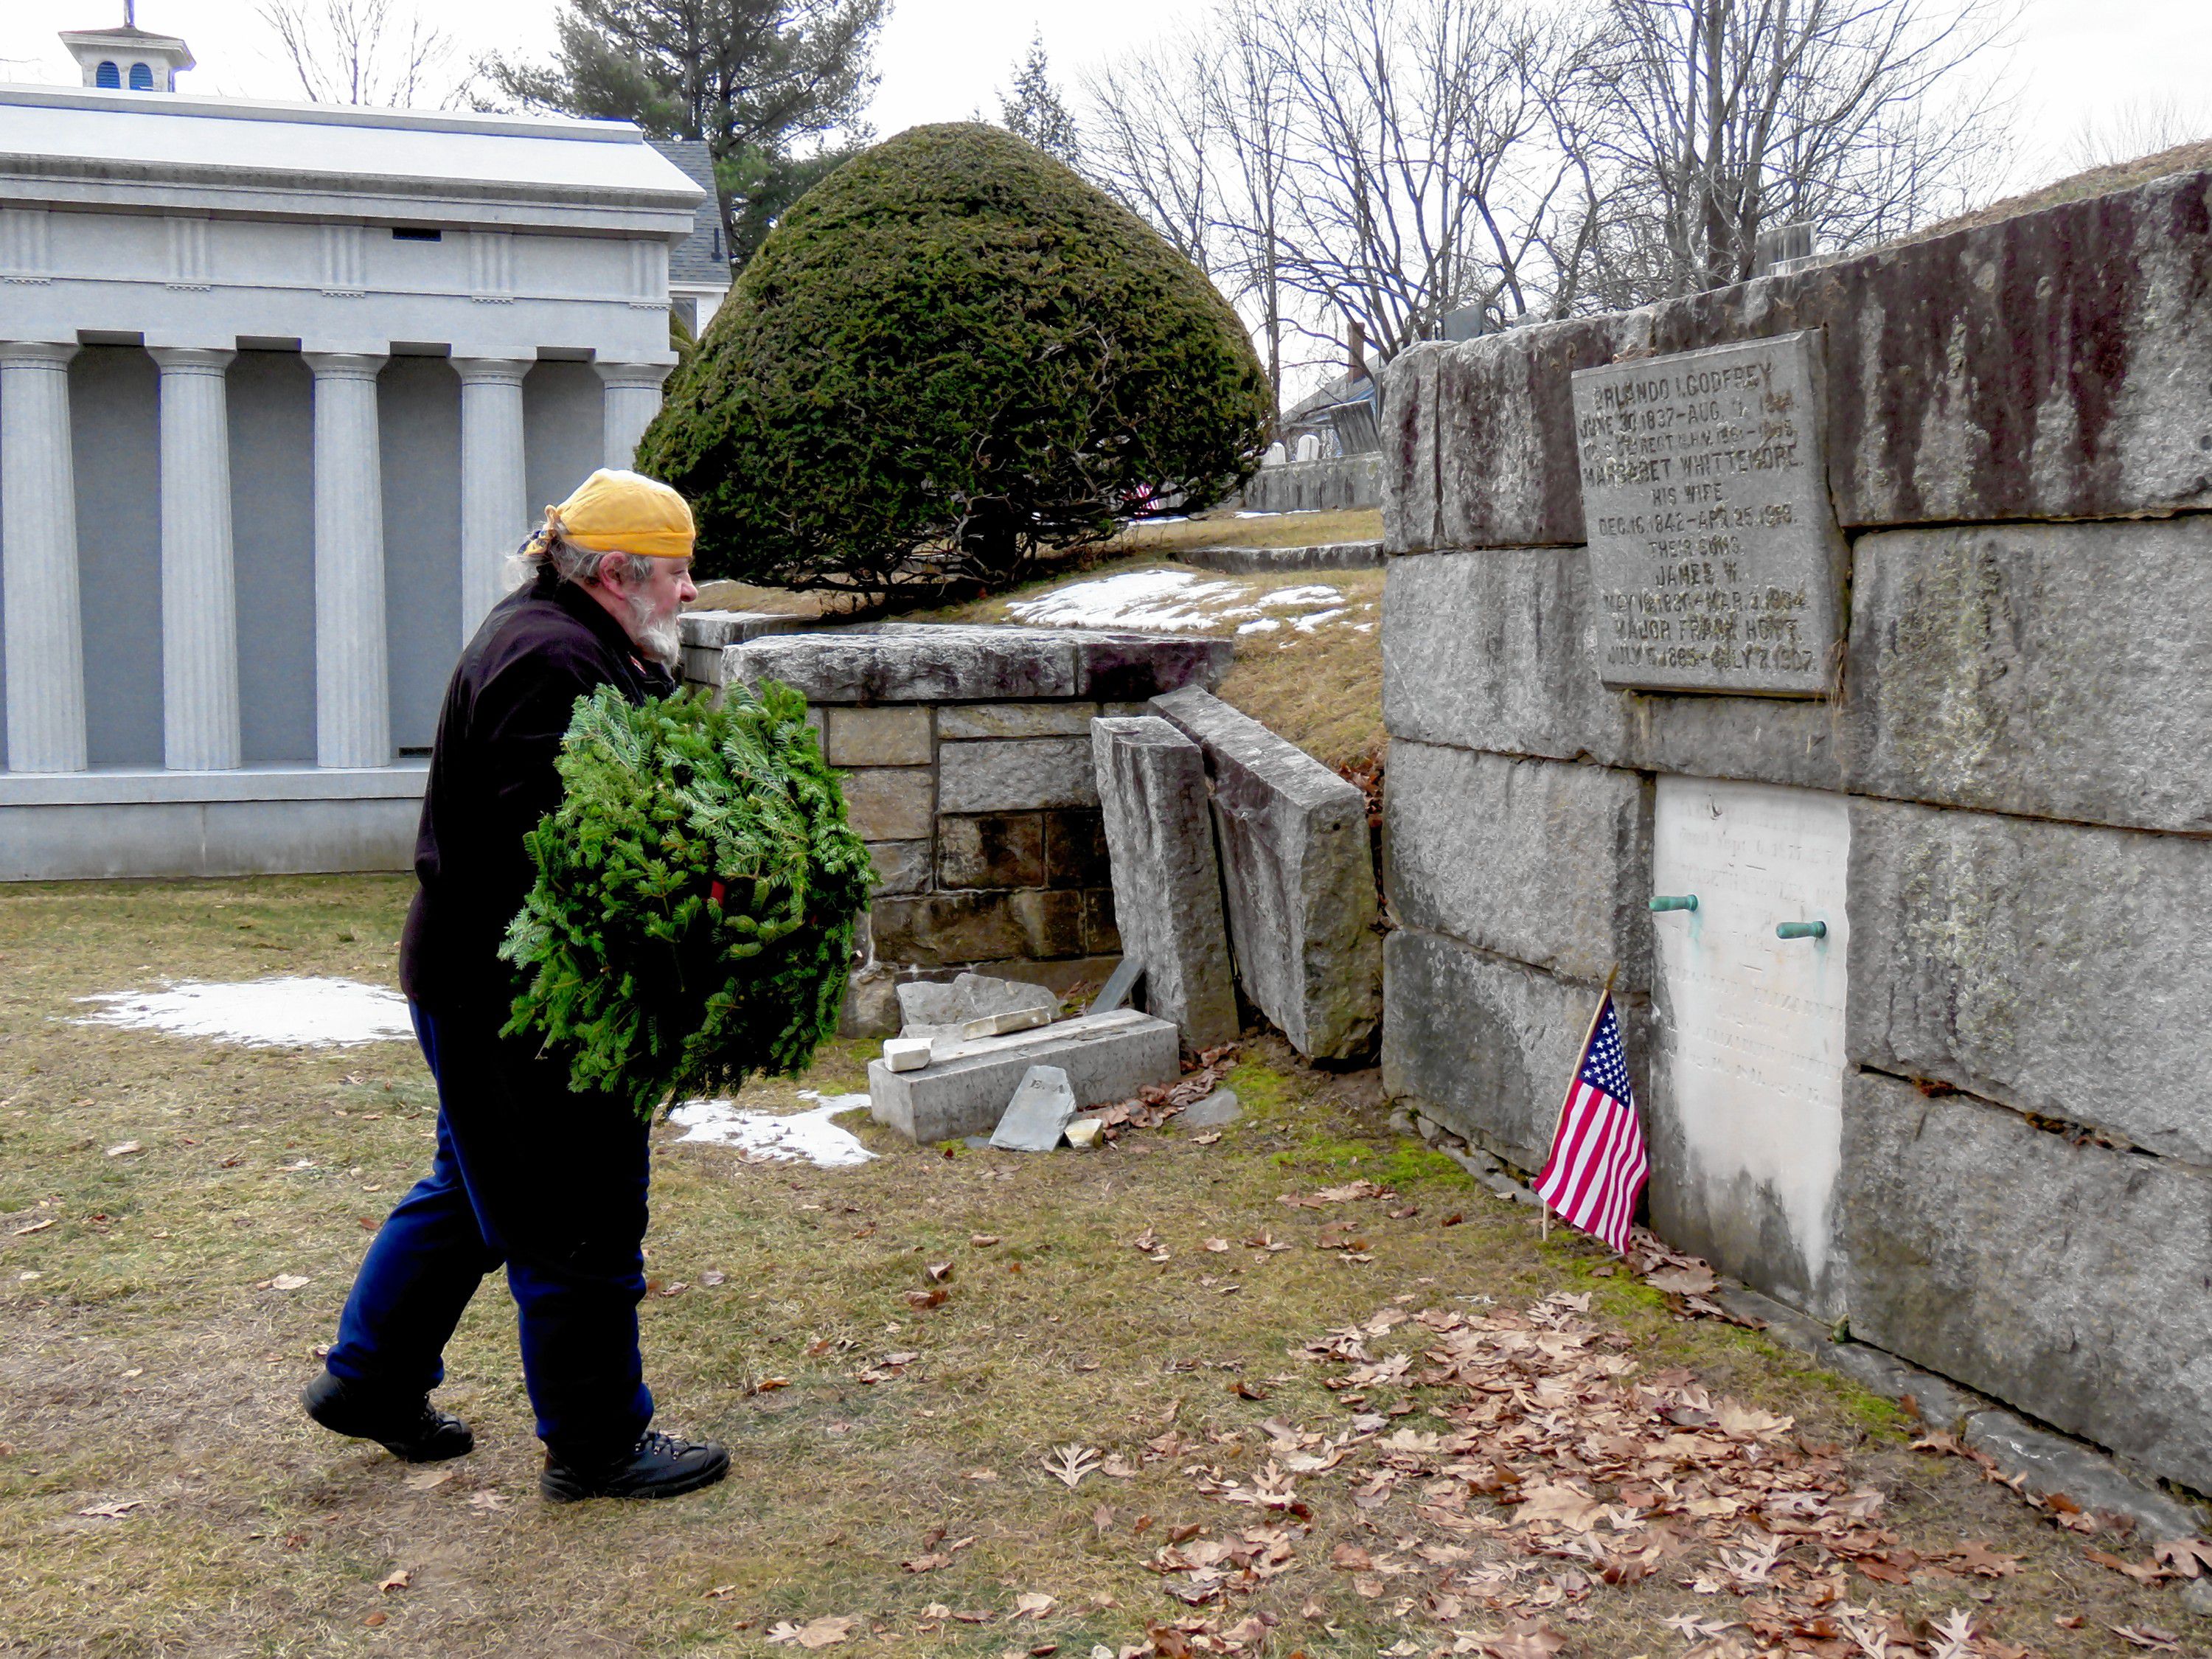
1317	593
781	1137
265	1013
1307	624
1165	599
1362	628
1260	625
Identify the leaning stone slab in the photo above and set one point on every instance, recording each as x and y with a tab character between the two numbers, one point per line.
1496	650
929	1008
922	662
2052	669
1936	413
965	1089
2066	1281
1037	1116
1298	876
1476	853
1484	1046
2039	965
1167	887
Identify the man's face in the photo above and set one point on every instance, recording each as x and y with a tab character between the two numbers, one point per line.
654	593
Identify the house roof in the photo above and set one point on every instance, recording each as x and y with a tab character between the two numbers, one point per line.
702	258
89	148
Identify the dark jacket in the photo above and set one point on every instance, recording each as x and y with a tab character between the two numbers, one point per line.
492	779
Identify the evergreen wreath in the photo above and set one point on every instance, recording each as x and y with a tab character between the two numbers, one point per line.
691	922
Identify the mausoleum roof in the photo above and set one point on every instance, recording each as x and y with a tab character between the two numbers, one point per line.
87	148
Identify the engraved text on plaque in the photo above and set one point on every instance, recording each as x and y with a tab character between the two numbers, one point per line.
1714	549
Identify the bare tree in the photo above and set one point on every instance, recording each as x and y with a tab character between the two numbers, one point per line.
2140	126
364	51
1150	142
1710	120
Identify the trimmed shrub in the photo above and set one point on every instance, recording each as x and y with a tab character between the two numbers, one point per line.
952	354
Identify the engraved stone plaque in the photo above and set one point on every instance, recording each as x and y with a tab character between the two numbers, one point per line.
1750	1028
1713	546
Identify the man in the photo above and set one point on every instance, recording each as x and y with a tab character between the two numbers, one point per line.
550	1183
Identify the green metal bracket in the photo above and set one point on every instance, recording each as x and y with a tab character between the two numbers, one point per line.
1684	902
1802	930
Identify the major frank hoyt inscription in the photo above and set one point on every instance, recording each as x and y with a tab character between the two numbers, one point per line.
1714	549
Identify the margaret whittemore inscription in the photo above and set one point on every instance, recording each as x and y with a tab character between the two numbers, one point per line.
1713	546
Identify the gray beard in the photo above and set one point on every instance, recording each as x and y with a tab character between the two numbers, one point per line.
662	641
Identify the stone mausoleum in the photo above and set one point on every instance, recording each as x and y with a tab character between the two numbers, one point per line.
281	386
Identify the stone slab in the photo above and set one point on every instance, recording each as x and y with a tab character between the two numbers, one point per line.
1486	1046
1934	1400
1107	1057
1015	774
1475	844
2050	670
897	736
1496	650
1272	561
2066	1281
1219	1107
2051	1464
2049	366
997	1024
1167	885
1298	875
714	630
1743	1117
992	849
961	720
901	866
904	1054
1037	1116
928	1007
926	662
1715	556
890	803
2055	968
1119	984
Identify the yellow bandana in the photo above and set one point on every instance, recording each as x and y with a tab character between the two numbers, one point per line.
623	512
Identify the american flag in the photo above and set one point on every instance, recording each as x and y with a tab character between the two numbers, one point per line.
1597	1167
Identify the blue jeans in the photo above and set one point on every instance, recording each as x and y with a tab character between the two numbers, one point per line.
550	1183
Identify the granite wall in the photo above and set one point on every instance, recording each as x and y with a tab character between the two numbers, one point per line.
966	756
2018	740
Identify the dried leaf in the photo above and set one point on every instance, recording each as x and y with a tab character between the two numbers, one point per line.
1683	1281
1070	1464
983	1241
1031	1604
939	1272
2148	1635
427	1479
123	1149
113	1511
1561	1504
289	1282
815	1633
33	1227
928	1563
2187	1557
1953	1635
398	1580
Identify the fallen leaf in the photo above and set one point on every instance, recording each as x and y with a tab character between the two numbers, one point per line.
2185	1556
983	1241
289	1282
34	1227
1683	1281
922	1301
1217	1245
113	1511
1561	1504
1531	1640
398	1580
814	1634
1070	1464
427	1479
928	1563
939	1272
712	1277
718	1593
1205	1140
1031	1604
1101	1519
123	1149
1350	1558
489	1501
374	1619
770	1384
2148	1635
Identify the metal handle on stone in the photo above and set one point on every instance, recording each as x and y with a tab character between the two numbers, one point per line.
1801	930
1682	901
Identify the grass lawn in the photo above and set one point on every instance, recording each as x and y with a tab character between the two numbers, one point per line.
1130	1308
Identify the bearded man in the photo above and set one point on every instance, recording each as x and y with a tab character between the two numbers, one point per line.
528	1173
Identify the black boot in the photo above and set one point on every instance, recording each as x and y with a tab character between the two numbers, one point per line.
658	1466
409	1429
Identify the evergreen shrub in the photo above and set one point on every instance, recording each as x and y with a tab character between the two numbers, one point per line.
691	922
951	354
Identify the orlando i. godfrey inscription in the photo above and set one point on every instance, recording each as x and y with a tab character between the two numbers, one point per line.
1714	549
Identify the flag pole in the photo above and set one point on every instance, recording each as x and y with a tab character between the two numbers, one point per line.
1559	1116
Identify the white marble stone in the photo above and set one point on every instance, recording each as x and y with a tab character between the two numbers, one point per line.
495	499
38	561
632	398
199	601
353	713
1750	1031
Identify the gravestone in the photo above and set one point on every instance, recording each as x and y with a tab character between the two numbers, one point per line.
1749	1125
1715	556
1308	447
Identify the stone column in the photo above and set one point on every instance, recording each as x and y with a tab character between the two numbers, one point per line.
494	499
352	707
199	600
38	561
633	399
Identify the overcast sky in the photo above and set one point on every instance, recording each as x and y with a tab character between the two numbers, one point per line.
2077	61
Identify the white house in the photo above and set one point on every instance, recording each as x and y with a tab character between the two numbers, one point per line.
281	386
